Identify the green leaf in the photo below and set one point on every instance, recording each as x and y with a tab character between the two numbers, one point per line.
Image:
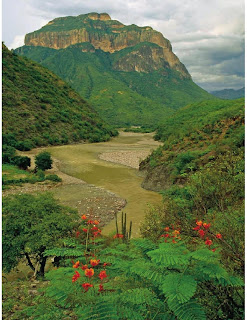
181	287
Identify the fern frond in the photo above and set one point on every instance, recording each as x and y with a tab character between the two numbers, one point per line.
144	245
179	286
99	310
65	252
204	255
190	310
168	255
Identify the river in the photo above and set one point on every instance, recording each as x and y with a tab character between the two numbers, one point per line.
83	161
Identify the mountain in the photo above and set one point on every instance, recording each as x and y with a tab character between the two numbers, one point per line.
193	137
229	93
128	73
40	109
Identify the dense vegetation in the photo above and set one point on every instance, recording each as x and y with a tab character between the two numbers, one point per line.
121	98
194	137
229	93
40	109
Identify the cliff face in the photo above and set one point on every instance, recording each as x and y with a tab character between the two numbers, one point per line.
110	36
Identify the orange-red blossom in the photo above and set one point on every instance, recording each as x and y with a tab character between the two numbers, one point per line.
94	262
84	217
76	265
76	276
102	275
86	286
89	272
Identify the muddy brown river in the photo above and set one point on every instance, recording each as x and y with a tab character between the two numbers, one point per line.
116	174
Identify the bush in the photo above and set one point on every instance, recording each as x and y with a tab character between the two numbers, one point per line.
22	162
43	161
53	177
8	153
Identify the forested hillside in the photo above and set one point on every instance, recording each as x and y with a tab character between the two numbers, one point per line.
40	109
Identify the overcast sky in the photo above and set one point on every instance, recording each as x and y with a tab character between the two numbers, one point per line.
206	35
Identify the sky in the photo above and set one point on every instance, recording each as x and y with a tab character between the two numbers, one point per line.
206	35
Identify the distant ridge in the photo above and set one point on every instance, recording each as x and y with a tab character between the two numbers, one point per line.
229	94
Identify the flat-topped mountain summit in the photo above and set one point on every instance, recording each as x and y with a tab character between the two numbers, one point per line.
128	73
108	35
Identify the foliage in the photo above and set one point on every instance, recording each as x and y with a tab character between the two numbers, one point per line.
53	177
30	226
22	162
135	280
43	161
40	109
196	136
121	97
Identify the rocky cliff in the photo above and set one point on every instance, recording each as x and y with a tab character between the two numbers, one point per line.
110	36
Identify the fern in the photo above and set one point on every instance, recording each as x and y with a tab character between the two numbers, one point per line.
179	286
100	310
169	255
65	252
190	310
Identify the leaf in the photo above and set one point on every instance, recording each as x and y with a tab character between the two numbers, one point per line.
181	287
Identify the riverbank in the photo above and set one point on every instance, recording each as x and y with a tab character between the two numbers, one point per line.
100	187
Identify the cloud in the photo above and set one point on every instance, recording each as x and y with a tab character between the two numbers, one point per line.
18	42
207	36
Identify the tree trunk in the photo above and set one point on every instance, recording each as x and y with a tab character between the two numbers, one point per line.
42	266
29	261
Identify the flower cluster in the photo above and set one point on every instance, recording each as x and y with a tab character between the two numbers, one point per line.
91	269
171	234
203	231
88	227
118	235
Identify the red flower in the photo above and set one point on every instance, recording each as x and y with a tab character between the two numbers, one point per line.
96	222
199	223
94	262
197	228
86	286
94	228
84	217
76	265
166	228
77	234
84	267
201	233
76	276
106	264
213	250
174	241
118	235
90	222
96	233
85	230
89	272
219	236
208	242
102	274
166	235
101	288
206	226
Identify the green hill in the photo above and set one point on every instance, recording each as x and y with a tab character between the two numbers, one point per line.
229	94
128	73
193	137
40	109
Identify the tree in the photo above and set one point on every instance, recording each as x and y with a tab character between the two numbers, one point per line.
30	226
22	162
43	161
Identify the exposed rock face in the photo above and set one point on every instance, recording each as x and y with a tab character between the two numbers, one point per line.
110	36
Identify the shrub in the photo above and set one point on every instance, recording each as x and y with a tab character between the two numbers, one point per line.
53	177
43	161
22	162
